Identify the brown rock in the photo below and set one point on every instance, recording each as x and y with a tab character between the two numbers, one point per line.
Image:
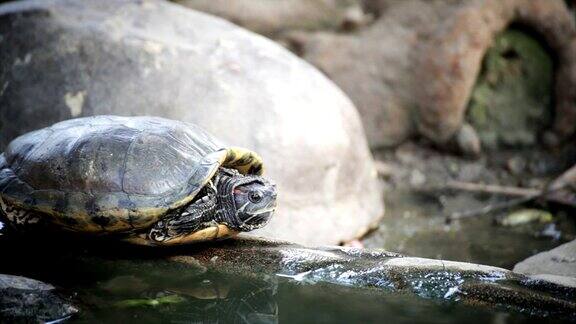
451	59
373	67
420	60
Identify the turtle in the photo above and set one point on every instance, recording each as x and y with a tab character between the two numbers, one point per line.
141	179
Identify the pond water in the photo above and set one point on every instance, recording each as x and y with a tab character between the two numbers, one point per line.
415	225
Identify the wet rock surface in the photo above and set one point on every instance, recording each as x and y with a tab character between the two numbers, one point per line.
27	300
129	57
428	278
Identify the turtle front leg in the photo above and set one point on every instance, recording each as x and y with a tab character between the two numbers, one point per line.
196	222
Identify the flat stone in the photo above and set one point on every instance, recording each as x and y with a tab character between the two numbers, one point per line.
16	282
469	283
560	261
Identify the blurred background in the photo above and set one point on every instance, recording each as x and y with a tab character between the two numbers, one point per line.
436	128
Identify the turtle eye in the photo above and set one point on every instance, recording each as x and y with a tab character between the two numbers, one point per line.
255	196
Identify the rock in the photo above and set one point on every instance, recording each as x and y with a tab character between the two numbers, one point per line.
419	61
373	67
560	280
270	17
384	170
417	178
469	283
69	58
452	55
468	142
28	300
560	261
354	19
516	165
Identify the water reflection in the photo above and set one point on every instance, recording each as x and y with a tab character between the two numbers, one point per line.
208	298
248	302
118	289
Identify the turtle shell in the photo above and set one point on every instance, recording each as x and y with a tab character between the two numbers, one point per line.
108	173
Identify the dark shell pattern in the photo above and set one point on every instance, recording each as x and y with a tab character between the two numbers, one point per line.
108	173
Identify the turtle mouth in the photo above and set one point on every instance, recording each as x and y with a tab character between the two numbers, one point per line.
257	220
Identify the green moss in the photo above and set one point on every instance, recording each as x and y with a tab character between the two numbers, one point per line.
511	101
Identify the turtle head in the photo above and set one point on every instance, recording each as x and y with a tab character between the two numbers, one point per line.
255	202
248	200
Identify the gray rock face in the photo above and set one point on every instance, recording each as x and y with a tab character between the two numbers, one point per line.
560	261
66	58
28	300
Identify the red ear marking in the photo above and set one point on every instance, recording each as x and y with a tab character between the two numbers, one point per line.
237	191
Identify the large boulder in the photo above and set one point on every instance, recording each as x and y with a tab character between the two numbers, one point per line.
68	58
